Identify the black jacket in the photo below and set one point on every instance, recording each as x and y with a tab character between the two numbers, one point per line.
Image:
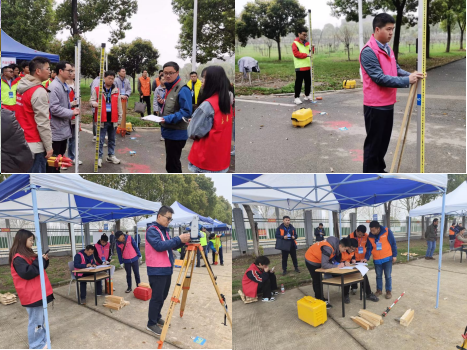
318	236
16	155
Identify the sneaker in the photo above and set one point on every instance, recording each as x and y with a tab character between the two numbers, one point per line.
63	168
222	264
297	270
275	293
83	301
113	159
155	329
232	153
161	322
346	299
284	273
353	291
297	101
378	293
99	162
328	306
80	162
372	297
162	139
267	300
100	295
388	294
309	98
94	138
427	258
114	288
128	290
431	258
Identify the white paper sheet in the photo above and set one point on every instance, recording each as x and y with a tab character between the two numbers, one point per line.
153	118
347	268
363	269
360	263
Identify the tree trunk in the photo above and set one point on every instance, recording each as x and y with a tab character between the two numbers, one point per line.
423	228
254	234
387	211
71	245
462	35
445	231
335	221
117	225
134	81
348	52
278	40
269	47
74	9
448	45
397	34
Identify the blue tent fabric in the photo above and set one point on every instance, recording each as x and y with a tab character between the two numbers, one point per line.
202	218
12	48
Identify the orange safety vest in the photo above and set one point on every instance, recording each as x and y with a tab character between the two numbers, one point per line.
314	253
386	250
361	243
346	256
145	86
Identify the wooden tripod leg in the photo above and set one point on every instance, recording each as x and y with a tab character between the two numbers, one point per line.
414	97
187	283
217	290
175	296
404	122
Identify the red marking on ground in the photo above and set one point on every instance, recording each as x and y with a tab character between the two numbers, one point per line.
315	113
357	155
136	135
123	150
338	124
138	168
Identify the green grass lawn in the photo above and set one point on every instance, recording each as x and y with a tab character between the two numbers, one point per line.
329	69
294	279
57	271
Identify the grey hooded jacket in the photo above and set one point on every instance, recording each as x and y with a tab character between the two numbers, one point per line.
60	110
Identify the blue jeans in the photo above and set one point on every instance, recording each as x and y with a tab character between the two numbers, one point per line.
40	163
387	268
36	332
431	248
128	267
108	128
71	143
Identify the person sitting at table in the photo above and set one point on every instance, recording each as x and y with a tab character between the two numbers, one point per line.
452	235
103	253
351	257
320	255
460	239
258	278
85	258
128	254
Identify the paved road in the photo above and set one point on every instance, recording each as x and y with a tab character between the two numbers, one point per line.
267	142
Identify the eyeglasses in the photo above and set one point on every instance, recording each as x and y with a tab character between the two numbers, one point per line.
68	70
169	74
170	219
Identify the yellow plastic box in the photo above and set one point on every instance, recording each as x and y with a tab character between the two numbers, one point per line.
302	117
312	311
129	127
349	84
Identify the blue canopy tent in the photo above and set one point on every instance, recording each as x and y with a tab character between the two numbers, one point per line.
65	198
336	192
217	226
12	48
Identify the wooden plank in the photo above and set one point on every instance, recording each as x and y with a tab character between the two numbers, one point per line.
370	316
113	306
407	318
114	299
144	285
362	323
125	303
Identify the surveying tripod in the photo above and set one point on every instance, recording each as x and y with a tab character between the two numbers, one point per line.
183	284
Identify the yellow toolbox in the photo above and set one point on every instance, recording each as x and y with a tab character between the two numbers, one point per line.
349	84
312	311
302	117
129	127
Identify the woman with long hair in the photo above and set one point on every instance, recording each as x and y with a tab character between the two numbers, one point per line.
26	278
211	125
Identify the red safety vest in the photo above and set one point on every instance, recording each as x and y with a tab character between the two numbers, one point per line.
129	252
250	288
361	243
314	253
29	291
25	115
212	152
457	243
113	103
103	251
155	258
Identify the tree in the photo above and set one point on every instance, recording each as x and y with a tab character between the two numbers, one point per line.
30	22
215	36
387	212
346	34
273	19
448	12
461	21
91	13
254	233
403	8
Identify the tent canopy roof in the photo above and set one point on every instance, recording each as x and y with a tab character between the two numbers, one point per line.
456	203
68	198
12	48
336	192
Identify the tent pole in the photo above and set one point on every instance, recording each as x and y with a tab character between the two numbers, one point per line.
441	234
408	241
73	241
82	236
340	224
41	263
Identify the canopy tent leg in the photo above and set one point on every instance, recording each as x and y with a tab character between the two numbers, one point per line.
41	264
440	247
408	241
82	236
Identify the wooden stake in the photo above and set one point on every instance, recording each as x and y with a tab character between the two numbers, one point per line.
362	323
407	317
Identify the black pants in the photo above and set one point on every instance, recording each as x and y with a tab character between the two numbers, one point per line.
82	287
59	147
378	125
300	76
285	257
367	285
173	151
315	279
268	286
135	266
160	286
147	100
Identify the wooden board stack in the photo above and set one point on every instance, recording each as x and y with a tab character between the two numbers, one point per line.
368	320
115	303
144	285
7	298
407	317
411	254
246	299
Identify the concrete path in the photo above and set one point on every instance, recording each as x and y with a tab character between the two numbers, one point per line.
276	325
267	142
74	326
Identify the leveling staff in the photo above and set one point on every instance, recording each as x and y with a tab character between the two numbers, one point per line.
381	77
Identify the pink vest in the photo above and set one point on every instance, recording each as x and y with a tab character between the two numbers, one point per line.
373	94
83	261
103	251
155	258
129	252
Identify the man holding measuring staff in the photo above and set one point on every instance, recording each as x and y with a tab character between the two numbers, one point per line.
381	77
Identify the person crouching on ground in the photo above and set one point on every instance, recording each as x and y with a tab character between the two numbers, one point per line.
111	115
258	278
85	258
24	267
103	253
128	254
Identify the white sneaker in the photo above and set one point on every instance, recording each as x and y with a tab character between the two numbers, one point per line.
162	139
105	145
297	101
99	163
309	98
113	159
80	162
267	300
94	138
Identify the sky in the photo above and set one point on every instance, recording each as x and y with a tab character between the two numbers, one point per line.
154	21
223	184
